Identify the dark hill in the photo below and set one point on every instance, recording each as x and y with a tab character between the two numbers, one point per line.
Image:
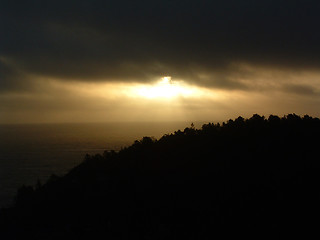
255	178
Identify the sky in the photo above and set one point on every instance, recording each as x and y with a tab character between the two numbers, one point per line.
124	60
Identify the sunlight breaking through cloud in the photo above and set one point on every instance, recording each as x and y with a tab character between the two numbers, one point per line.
166	88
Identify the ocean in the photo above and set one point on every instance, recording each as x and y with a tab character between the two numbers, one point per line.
36	151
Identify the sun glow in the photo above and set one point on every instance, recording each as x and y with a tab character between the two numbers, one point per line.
166	88
163	89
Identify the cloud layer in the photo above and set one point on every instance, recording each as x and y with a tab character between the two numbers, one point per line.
263	54
198	41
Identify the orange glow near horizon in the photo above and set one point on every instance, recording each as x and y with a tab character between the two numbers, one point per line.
166	99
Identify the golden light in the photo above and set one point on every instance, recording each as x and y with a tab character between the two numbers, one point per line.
166	88
163	89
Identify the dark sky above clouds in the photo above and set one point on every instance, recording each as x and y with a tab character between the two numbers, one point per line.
246	45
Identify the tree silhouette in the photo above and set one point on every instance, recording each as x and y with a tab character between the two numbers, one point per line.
255	177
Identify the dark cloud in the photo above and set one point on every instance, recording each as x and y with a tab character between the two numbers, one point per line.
12	79
300	89
198	41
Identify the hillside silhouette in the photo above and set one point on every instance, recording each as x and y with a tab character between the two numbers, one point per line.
256	178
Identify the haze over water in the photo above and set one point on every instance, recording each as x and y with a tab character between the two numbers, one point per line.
36	151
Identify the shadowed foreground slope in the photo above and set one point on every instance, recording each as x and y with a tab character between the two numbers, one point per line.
257	178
